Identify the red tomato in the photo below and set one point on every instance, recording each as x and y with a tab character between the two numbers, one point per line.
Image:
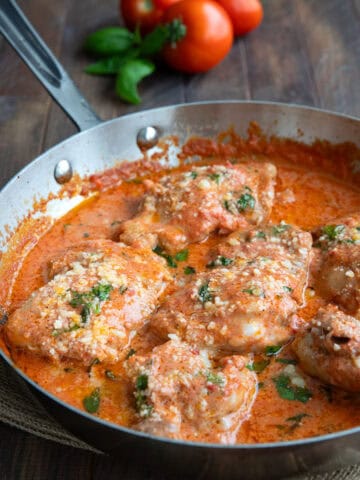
245	14
164	4
142	13
208	38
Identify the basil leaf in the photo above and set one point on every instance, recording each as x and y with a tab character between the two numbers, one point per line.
189	270
142	382
130	74
182	255
289	392
92	402
246	201
272	350
204	293
332	231
106	66
258	367
154	41
286	361
109	41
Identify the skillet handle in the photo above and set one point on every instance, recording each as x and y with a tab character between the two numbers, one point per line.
21	35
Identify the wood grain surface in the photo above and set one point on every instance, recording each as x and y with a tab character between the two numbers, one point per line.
305	52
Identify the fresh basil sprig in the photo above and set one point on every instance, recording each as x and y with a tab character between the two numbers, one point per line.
128	56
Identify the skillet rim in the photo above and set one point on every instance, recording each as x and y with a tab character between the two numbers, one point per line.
145	436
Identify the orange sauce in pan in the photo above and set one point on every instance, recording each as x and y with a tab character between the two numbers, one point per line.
305	196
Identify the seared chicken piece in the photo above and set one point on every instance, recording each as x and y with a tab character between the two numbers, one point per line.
330	348
181	393
249	304
101	294
186	207
338	273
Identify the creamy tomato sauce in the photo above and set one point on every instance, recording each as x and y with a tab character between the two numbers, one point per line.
305	196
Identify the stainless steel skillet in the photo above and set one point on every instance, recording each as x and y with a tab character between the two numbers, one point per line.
98	148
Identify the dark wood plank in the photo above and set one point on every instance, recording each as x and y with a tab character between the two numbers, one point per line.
24	104
331	33
278	66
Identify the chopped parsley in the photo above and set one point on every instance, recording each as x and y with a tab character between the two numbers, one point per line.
169	259
286	361
227	205
189	270
90	301
56	333
93	362
287	289
109	374
216	177
215	379
255	291
204	293
86	235
260	235
296	421
92	401
245	202
279	229
182	255
141	384
220	261
271	350
259	366
332	231
289	392
122	289
193	175
130	353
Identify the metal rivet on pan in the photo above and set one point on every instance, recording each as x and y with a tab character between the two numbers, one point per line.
63	171
147	138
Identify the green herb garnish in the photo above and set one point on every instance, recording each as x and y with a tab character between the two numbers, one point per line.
122	289
182	255
332	231
109	374
169	259
130	353
272	350
189	270
127	54
279	229
92	402
56	333
215	379
286	361
216	177
245	202
204	293
255	291
259	366
193	175
289	392
260	235
287	289
142	382
220	261
142	406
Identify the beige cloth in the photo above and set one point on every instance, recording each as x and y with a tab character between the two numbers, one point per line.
19	408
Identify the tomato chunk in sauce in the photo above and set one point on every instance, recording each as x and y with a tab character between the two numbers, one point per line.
214	302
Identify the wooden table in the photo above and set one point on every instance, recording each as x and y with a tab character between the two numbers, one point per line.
305	52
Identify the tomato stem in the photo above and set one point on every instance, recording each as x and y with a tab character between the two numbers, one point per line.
176	31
